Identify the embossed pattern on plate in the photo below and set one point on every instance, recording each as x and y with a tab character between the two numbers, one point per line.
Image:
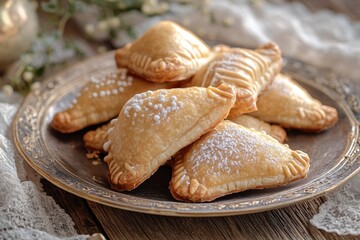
61	158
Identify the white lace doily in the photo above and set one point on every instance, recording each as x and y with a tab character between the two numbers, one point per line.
323	39
25	211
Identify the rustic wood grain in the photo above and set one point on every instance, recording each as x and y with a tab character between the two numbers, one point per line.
287	223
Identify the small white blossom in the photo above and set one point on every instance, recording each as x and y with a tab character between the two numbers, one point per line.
146	9
35	86
113	22
28	76
7	90
151	7
102	26
163	7
89	29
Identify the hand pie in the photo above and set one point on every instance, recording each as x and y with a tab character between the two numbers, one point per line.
101	100
95	139
153	126
250	71
288	104
274	131
166	52
232	158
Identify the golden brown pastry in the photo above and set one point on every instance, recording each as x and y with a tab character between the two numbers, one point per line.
232	158
166	52
250	71
101	100
153	126
95	139
288	104
274	131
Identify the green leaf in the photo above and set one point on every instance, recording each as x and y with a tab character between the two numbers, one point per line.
52	6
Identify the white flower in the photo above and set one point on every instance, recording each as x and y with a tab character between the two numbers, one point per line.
151	7
146	9
102	26
163	7
89	29
28	76
113	22
35	86
7	90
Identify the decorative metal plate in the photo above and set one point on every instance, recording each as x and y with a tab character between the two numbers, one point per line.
61	158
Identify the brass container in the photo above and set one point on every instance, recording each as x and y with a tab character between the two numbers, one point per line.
18	29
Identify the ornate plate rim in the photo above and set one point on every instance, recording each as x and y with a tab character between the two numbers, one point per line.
348	166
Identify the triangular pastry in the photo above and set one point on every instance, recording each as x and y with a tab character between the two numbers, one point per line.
166	52
101	100
232	158
250	71
274	131
288	104
153	126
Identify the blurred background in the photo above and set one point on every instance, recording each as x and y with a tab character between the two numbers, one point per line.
36	36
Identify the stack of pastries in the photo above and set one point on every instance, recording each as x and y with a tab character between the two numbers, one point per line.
208	110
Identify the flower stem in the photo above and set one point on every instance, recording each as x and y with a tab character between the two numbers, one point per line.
63	22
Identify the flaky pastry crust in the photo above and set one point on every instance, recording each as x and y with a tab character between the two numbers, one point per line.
232	158
288	104
95	139
274	131
166	52
153	126
101	99
250	71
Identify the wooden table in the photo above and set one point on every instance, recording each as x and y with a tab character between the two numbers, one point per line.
287	223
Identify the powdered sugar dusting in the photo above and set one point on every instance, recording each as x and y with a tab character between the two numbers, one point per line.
229	148
110	85
156	106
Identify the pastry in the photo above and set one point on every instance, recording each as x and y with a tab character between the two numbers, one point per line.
166	52
153	126
95	139
288	104
274	131
232	158
101	100
250	71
